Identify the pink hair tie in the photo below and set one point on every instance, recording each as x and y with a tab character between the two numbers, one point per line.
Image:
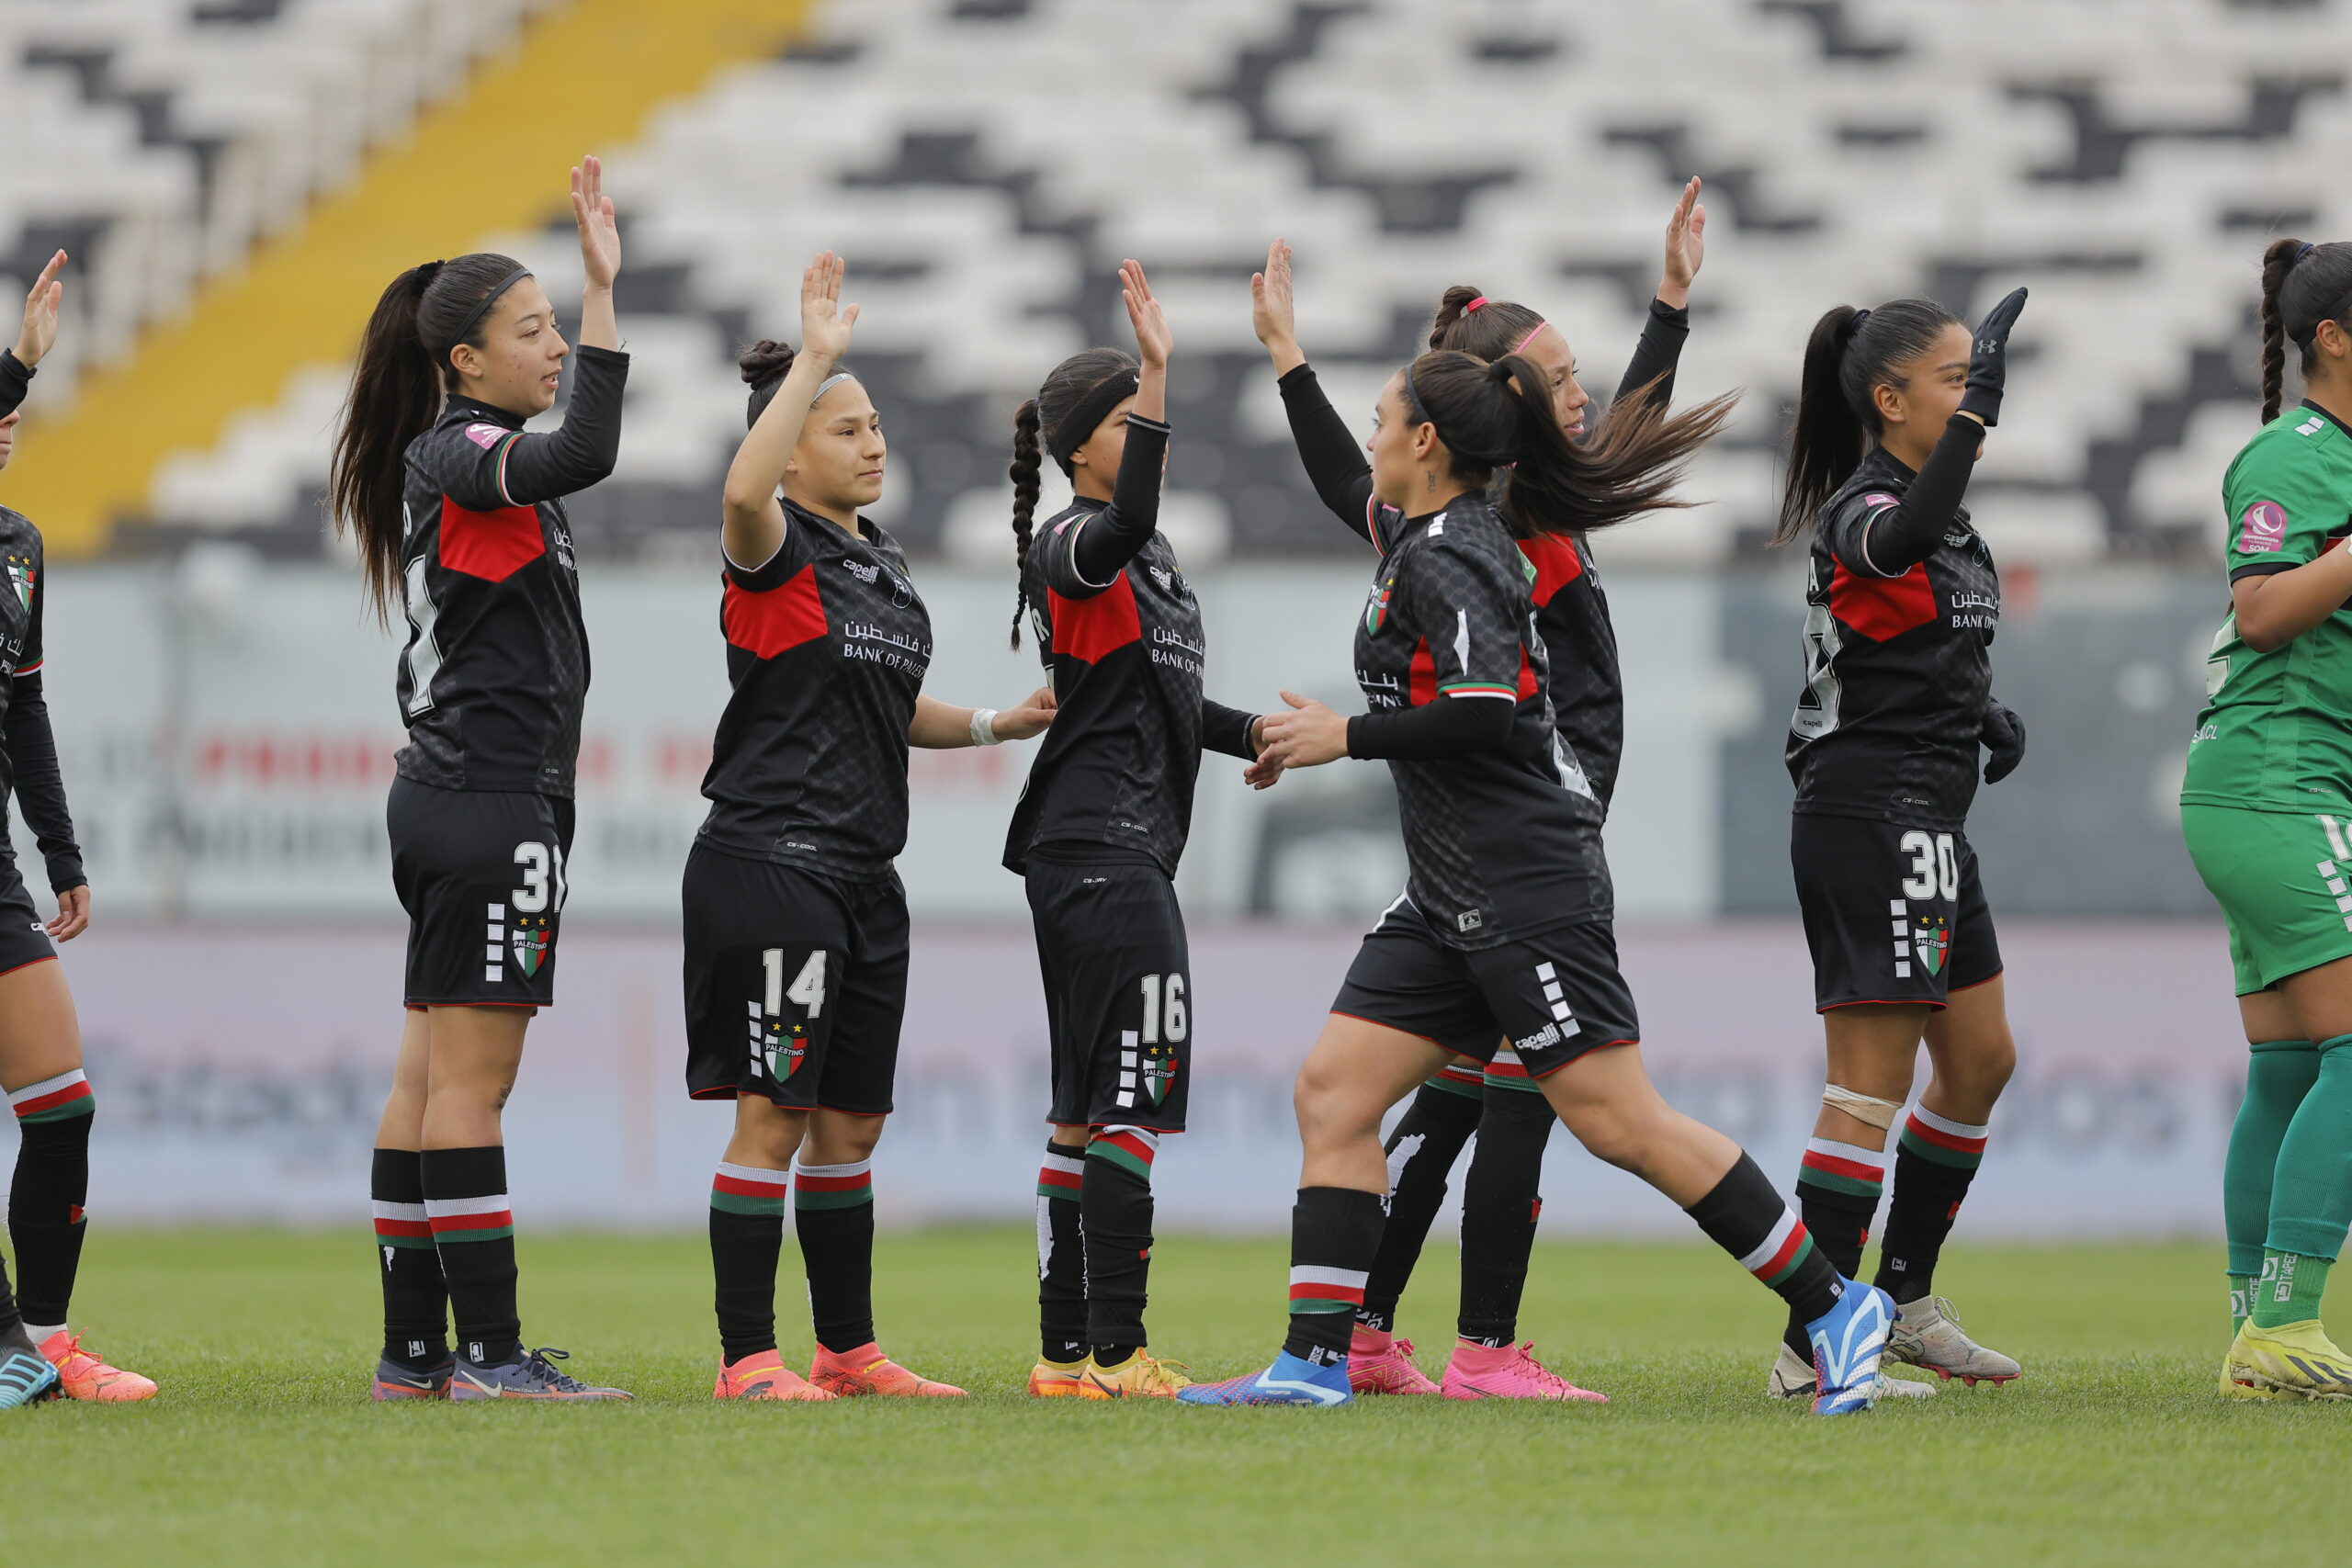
1474	304
1521	344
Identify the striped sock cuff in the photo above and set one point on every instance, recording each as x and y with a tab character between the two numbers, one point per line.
1785	1247
401	1224
486	1218
1130	1148
1843	1167
1456	1078
749	1190
1507	1071
54	1100
1946	1142
1061	1175
1314	1288
832	1186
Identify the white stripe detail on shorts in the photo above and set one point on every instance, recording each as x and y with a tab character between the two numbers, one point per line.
443	1207
1763	1255
1946	1124
1315	1274
2334	838
48	1086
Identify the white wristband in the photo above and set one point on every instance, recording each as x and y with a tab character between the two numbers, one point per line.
984	728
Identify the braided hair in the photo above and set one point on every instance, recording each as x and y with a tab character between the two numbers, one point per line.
1034	424
2303	285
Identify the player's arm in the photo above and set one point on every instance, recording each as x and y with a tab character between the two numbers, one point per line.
34	339
751	518
944	727
39	782
2275	608
1100	545
1335	465
1667	324
1229	730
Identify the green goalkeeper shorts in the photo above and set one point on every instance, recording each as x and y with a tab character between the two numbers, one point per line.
2284	882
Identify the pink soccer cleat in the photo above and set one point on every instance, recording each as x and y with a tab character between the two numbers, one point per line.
85	1376
1379	1363
867	1372
1508	1371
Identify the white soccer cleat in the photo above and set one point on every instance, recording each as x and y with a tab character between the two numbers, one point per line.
1927	1335
1793	1379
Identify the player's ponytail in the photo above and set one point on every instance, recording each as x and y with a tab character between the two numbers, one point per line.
1467	321
764	366
2303	285
1500	416
1850	355
396	394
1027	461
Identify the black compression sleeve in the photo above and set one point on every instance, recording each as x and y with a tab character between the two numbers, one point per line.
1113	535
1434	731
1228	731
541	468
1904	535
1335	464
31	747
1664	331
15	379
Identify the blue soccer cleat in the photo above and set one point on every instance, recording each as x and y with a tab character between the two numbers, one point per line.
532	1376
26	1377
1847	1342
1290	1381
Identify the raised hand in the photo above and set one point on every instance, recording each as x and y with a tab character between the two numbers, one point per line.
40	313
825	322
600	235
1686	247
1153	340
1272	311
1988	359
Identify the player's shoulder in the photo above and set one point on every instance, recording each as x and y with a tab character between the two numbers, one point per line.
1469	529
462	433
1870	489
19	533
2300	444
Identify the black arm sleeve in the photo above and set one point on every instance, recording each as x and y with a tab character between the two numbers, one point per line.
1335	464
1433	732
1113	535
1228	731
540	468
15	379
31	747
1899	538
1655	357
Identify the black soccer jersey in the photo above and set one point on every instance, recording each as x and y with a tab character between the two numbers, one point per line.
1898	669
1498	843
27	748
496	668
1572	618
827	644
1125	657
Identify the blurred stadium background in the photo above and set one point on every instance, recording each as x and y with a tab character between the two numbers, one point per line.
236	180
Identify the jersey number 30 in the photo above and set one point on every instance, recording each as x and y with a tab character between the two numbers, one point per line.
1934	868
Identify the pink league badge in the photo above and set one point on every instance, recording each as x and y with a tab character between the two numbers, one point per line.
2263	528
1878	498
484	436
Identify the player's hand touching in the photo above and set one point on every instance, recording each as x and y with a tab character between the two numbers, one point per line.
1028	721
1307	737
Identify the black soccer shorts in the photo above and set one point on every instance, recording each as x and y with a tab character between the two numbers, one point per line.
23	938
796	984
481	875
1551	997
1118	975
1893	914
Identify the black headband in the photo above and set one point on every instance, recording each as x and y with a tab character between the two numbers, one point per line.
1070	432
476	314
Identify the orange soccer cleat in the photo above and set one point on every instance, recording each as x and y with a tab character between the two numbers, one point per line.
867	1372
762	1375
82	1375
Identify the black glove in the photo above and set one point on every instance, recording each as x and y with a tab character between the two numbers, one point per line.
1988	359
2003	734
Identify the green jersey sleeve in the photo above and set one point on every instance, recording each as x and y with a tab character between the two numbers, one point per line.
2285	509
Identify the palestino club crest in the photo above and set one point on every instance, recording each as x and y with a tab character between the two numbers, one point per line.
1376	611
1158	1068
787	1047
20	577
531	939
1932	942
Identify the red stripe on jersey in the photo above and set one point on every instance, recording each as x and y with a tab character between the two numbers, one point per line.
1526	675
1089	629
492	545
1422	688
1556	564
764	623
1883	607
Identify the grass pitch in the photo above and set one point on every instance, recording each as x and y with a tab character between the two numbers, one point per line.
262	1448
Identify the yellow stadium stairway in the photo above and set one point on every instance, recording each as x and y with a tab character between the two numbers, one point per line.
581	78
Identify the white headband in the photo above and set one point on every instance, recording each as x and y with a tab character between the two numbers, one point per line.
828	384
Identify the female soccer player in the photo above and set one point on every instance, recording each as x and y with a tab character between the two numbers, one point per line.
2266	807
1097	836
795	924
40	1039
1500	1200
461	512
1901	607
1503	933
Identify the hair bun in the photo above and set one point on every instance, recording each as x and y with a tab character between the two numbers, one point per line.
765	361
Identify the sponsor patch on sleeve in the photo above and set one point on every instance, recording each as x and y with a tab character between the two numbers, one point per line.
486	436
2262	529
1879	498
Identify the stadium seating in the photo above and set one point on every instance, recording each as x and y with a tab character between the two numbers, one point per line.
2125	159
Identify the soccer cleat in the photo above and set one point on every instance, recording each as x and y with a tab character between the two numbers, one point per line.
1383	1364
1927	1335
1291	1379
527	1376
1793	1379
2237	1381
1508	1371
865	1373
1055	1379
81	1375
1137	1377
26	1377
762	1375
1848	1341
2295	1359
396	1381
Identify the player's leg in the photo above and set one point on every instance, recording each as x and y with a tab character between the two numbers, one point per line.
415	1363
2281	1069
748	1193
40	1069
1061	1243
1421	1149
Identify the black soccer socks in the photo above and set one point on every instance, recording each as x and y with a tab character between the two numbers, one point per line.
1747	1216
1062	1255
473	1230
1116	1215
1933	1167
1500	1202
417	1298
832	1210
747	1206
1421	1151
45	1222
1334	1233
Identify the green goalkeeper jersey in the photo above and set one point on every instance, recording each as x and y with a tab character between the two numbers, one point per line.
2276	731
